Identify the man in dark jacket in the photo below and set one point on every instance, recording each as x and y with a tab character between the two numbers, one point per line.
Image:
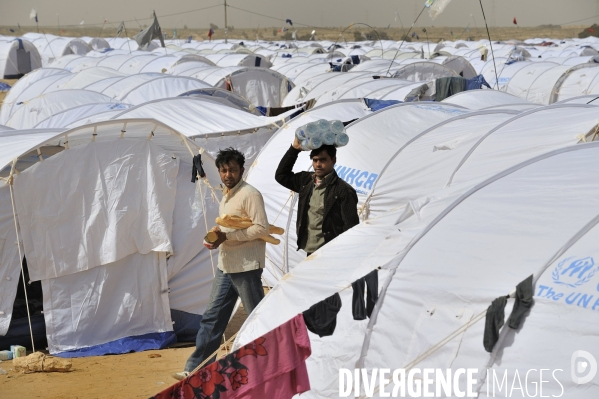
328	206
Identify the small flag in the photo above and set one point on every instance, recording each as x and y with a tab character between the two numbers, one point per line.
288	21
210	33
514	21
189	39
424	30
591	30
120	29
437	7
413	34
33	15
12	30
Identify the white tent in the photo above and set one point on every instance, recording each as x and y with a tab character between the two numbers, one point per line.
32	112
117	249
502	239
17	58
479	99
22	84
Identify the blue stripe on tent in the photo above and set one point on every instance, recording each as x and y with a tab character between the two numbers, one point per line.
375	105
136	343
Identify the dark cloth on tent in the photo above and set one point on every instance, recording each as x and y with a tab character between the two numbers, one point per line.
417	93
197	169
447	87
263	110
355	59
361	310
335	68
476	83
376	105
145	37
494	322
321	318
358	307
524	301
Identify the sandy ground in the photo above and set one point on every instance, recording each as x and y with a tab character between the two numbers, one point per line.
11	82
135	375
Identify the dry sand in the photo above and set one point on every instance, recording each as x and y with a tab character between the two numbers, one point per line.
134	375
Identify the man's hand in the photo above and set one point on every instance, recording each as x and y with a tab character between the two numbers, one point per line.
222	237
296	144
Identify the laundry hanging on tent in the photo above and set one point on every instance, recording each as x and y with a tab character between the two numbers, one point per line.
321	318
496	312
447	87
494	322
272	366
476	83
361	310
523	303
197	169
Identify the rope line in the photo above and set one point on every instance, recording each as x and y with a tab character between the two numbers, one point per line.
14	214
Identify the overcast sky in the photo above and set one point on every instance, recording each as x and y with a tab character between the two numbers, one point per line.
310	12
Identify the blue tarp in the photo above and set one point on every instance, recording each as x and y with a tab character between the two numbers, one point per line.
125	345
476	83
375	105
4	87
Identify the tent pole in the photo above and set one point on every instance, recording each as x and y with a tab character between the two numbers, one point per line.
490	44
14	214
226	35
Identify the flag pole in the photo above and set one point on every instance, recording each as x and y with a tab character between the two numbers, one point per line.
226	35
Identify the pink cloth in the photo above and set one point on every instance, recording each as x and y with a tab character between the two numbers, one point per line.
272	366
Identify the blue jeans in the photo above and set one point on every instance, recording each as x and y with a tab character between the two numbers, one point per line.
225	290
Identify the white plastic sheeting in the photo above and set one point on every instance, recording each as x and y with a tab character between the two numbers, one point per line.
479	99
29	114
65	118
483	263
484	256
9	260
95	204
21	85
190	270
122	299
164	87
260	86
212	125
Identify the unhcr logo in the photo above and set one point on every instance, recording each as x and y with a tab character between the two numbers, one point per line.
574	272
361	180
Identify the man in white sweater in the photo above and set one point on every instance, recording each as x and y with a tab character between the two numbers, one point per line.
240	260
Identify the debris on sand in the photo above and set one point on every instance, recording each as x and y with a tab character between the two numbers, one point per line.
39	363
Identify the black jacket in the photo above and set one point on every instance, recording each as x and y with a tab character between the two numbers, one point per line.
340	199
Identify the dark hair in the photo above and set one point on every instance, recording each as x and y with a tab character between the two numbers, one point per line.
330	149
224	157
